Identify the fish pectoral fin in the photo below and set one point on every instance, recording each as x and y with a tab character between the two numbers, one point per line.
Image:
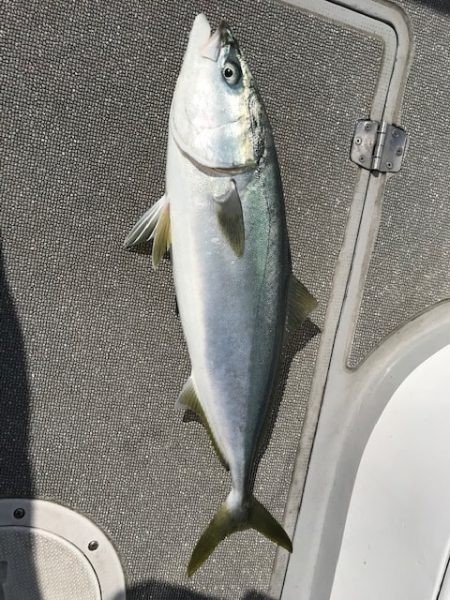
162	237
153	225
144	228
231	218
232	517
300	303
188	399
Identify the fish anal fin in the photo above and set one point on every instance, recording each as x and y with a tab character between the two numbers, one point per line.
231	218
189	399
300	303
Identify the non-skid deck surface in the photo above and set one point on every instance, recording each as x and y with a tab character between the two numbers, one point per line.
410	265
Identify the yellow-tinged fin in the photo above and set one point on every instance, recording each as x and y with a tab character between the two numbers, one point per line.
161	236
300	303
154	224
145	226
231	218
261	520
231	518
189	399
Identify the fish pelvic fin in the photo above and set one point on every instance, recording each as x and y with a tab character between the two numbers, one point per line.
188	398
153	225
232	517
231	219
300	303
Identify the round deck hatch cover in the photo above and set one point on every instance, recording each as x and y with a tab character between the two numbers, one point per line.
49	552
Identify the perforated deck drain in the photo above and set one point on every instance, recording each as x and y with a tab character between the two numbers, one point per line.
48	552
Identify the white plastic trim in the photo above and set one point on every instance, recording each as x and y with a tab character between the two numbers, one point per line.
397	533
344	429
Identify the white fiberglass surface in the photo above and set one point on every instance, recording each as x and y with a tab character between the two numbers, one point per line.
396	539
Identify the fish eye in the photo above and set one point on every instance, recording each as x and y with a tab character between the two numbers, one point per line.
231	73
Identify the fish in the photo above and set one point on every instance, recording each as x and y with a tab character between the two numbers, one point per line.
222	218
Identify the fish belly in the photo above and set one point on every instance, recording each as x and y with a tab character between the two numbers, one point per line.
232	308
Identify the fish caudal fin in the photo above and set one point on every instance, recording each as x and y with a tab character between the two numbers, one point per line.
153	225
300	303
230	519
261	520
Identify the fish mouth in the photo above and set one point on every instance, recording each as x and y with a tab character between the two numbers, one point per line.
221	38
225	33
200	34
227	37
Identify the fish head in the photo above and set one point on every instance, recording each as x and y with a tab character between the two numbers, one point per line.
217	117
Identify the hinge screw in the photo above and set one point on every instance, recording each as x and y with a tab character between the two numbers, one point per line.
388	165
395	133
358	141
368	127
399	151
361	159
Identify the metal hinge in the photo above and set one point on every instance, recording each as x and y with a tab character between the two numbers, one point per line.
379	146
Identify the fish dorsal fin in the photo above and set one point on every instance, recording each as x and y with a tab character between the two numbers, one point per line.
188	398
153	225
300	303
231	219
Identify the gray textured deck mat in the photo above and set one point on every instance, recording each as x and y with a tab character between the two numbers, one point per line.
91	352
410	265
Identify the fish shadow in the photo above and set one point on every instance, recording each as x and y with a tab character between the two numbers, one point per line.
143	249
294	342
437	5
166	591
254	595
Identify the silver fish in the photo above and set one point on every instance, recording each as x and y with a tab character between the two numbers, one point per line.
223	217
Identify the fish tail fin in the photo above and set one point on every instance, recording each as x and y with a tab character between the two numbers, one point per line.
261	520
232	517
